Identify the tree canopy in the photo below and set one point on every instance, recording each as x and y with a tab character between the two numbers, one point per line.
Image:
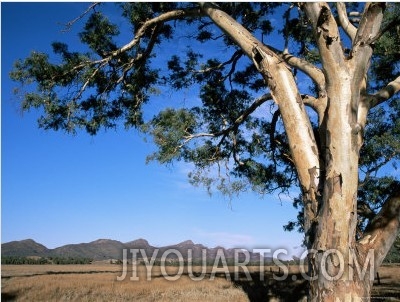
233	126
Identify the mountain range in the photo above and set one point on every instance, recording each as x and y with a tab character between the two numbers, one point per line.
103	249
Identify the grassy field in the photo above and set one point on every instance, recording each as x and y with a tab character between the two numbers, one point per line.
98	282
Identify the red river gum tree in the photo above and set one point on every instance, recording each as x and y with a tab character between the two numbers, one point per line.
329	138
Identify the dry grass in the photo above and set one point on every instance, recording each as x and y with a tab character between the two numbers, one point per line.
99	283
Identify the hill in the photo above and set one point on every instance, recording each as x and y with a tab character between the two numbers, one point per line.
103	249
24	248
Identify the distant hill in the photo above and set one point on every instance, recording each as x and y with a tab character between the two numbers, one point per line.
24	248
103	249
97	250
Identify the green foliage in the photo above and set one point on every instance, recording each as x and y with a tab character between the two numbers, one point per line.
382	137
86	90
169	130
182	73
23	260
139	12
70	260
98	34
385	64
43	260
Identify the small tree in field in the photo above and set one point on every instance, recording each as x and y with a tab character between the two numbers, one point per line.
312	103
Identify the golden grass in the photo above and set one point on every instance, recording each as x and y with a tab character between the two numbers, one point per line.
34	283
98	282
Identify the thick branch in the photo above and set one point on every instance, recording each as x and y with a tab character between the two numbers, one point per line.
359	62
309	69
383	229
284	91
362	50
241	36
387	27
327	36
384	94
314	73
318	104
369	27
349	28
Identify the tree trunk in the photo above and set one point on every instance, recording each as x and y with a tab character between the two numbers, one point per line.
343	269
336	221
348	275
350	290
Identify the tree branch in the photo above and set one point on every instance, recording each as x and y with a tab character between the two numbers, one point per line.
384	94
142	56
234	127
360	57
84	86
383	229
272	140
257	103
153	24
234	58
70	23
388	26
168	16
165	17
349	28
367	31
377	165
242	117
309	69
318	104
240	35
281	82
327	36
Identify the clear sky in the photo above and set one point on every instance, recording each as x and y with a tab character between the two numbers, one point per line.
59	189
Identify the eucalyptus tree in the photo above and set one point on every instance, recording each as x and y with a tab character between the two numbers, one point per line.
284	95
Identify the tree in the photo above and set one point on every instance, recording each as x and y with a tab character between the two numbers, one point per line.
318	110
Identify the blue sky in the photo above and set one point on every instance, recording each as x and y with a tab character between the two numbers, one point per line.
59	189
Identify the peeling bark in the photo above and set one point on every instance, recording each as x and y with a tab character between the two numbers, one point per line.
342	129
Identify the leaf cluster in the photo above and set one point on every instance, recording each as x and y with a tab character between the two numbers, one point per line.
385	62
87	90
